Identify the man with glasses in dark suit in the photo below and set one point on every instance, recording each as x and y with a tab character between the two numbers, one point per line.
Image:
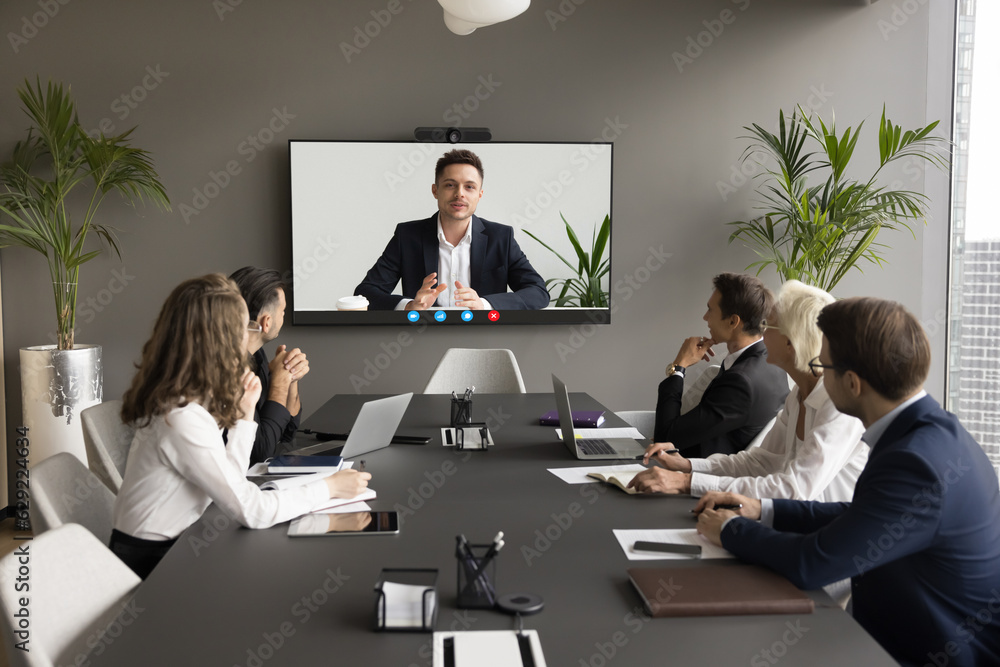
920	539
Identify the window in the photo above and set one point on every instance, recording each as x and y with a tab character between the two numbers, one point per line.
974	343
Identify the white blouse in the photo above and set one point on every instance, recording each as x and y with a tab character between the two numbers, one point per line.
179	464
824	466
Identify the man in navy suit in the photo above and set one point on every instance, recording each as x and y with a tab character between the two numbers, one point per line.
745	395
921	538
454	258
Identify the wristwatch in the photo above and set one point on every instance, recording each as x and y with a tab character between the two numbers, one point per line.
675	369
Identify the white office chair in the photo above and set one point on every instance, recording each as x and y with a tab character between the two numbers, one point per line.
63	491
107	440
79	589
490	371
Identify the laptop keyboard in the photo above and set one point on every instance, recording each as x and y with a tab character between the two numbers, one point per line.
596	447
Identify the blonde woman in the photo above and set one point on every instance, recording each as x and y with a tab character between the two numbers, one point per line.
813	452
191	384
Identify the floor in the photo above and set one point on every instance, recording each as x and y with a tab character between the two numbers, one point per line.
10	539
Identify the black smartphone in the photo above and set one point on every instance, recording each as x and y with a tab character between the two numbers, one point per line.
349	523
666	547
410	440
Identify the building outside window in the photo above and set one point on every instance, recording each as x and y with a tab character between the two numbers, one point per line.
974	292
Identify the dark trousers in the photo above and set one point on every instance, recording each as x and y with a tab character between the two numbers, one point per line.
140	555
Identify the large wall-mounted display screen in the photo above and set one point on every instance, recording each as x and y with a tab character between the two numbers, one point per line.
353	263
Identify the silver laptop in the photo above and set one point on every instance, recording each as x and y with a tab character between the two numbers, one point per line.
376	424
593	449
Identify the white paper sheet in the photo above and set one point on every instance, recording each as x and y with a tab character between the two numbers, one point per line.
578	475
626	538
367	494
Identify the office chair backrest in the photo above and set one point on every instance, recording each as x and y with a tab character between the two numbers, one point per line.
79	592
490	371
107	440
64	491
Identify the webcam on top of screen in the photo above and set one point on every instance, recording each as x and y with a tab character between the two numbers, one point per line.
453	135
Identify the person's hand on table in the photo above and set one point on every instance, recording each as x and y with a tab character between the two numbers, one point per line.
427	294
693	350
710	519
658	480
347	483
671	461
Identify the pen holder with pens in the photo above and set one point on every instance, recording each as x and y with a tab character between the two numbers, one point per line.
477	568
461	411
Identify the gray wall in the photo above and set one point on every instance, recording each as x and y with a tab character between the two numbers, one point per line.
607	64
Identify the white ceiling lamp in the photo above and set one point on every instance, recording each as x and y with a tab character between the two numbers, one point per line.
463	16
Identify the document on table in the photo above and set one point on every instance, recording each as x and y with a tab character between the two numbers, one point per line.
486	648
367	494
626	538
603	433
406	605
578	475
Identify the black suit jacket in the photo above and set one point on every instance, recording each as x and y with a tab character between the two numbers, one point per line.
738	403
920	541
496	261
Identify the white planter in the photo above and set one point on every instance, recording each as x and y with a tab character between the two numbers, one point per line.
56	385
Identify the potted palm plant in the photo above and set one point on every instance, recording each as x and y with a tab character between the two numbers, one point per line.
55	159
817	233
585	289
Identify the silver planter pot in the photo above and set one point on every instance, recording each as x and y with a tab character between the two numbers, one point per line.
56	385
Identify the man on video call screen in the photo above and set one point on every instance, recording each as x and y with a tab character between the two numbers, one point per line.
454	259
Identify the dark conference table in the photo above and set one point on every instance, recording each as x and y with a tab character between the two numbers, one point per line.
225	595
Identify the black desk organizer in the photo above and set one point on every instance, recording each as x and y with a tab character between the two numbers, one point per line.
475	577
417	576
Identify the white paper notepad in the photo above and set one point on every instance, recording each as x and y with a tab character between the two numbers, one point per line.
626	538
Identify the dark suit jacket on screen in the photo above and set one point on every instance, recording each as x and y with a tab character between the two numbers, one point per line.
496	261
738	403
920	541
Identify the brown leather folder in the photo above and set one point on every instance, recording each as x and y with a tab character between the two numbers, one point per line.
717	590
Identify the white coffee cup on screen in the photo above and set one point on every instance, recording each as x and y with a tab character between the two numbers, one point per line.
352	303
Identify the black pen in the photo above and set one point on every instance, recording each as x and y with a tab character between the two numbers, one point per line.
725	507
662	451
361	466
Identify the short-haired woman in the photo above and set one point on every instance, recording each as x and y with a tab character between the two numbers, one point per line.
191	384
813	452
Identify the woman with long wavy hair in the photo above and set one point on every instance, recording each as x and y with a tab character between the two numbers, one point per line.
191	384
